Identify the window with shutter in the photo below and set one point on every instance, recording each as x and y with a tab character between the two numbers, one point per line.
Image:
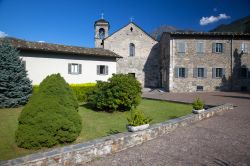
74	68
200	47
102	70
181	47
217	47
201	72
244	48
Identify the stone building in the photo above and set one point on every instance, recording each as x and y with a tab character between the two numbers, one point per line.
139	51
205	61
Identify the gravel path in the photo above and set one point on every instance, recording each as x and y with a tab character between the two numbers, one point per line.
219	141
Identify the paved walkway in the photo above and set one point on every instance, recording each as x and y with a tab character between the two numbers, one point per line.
219	141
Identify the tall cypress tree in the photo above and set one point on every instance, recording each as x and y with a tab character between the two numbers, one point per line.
15	87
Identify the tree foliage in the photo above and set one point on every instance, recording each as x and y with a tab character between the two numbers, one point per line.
121	92
50	117
15	87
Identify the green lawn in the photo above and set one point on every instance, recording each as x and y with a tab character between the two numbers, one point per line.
95	124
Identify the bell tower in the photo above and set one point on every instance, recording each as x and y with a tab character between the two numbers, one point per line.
101	32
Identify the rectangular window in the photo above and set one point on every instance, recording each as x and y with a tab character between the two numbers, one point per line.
74	68
181	47
200	47
181	72
200	72
218	47
218	72
244	48
102	70
199	88
132	74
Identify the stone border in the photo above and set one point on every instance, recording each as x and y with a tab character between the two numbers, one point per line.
85	152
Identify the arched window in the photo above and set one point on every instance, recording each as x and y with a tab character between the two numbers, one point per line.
101	33
131	49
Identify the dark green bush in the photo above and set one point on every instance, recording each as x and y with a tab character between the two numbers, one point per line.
122	92
50	117
198	104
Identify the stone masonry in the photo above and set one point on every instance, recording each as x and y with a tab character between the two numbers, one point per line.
190	59
145	64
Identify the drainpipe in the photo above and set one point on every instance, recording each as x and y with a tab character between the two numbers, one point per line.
231	81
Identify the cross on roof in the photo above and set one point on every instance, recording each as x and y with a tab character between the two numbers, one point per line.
131	19
102	15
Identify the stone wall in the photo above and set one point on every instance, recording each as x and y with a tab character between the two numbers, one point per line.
85	152
145	63
171	59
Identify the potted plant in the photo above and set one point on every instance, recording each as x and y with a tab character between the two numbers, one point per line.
137	121
198	106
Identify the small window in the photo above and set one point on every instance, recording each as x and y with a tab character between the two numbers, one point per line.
181	47
200	72
200	47
131	49
74	68
218	47
102	70
243	72
244	48
132	74
218	72
24	64
181	72
101	33
199	88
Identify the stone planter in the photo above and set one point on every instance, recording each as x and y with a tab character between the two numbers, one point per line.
137	128
198	111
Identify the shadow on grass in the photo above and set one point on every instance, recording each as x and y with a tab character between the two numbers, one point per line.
173	117
112	132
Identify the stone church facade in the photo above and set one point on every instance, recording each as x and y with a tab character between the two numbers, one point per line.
139	51
180	61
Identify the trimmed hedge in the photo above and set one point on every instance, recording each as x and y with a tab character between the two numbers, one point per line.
80	90
121	92
50	117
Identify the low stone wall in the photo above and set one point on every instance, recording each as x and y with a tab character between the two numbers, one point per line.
84	152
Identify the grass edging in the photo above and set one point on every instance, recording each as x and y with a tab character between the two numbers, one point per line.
85	152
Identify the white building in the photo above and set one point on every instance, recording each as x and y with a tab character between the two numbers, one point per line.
75	64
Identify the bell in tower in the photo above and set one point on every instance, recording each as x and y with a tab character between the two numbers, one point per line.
101	32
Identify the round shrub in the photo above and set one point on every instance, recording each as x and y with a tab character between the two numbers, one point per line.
50	117
121	92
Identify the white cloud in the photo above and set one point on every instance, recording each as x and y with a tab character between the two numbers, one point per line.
212	19
3	34
41	41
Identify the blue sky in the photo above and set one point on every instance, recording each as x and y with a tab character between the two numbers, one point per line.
71	22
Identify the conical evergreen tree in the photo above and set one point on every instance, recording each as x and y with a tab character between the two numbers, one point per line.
15	87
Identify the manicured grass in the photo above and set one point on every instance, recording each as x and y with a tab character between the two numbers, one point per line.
95	124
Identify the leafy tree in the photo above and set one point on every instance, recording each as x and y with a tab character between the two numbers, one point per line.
50	117
122	92
15	87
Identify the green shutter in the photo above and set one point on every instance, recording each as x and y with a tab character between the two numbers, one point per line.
195	72
213	72
186	72
106	70
205	72
80	69
69	68
214	47
176	72
98	70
